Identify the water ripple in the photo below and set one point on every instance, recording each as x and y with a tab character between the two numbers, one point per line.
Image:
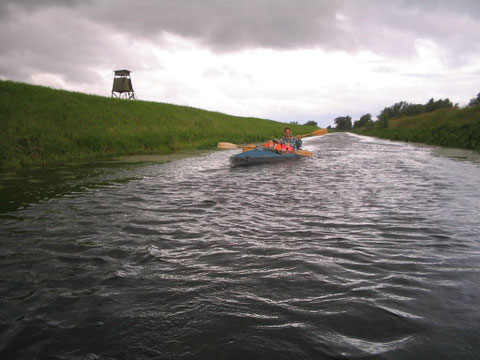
368	250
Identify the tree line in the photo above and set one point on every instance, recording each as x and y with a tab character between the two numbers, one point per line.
397	110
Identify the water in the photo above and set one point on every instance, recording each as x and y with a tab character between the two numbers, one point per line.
370	250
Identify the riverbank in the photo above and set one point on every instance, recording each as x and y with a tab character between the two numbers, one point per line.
42	126
450	127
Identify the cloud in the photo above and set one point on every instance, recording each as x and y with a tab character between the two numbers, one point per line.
270	58
56	40
346	25
384	69
59	44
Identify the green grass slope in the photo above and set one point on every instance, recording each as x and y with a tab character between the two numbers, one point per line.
40	126
450	127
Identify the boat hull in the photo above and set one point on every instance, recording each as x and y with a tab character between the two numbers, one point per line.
260	156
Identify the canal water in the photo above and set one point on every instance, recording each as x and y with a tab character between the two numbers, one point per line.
368	250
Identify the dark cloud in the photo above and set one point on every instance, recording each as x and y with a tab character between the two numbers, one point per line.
12	7
348	25
225	25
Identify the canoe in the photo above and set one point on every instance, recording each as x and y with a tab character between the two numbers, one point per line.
260	156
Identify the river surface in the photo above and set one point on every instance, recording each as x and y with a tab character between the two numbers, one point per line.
368	250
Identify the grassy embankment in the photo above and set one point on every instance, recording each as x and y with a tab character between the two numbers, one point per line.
450	127
41	126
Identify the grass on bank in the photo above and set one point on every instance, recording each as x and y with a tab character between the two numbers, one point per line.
41	126
449	127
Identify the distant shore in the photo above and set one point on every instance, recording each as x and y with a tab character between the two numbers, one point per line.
452	127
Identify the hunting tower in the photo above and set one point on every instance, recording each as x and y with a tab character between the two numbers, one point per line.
122	85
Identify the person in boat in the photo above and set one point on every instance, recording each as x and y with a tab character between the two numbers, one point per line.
287	143
291	141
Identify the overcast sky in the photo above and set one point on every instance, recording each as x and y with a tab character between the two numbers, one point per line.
286	60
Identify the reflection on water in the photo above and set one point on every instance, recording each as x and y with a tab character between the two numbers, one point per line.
368	250
457	154
19	190
22	188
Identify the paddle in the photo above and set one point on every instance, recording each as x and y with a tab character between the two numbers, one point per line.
316	133
304	153
249	147
225	145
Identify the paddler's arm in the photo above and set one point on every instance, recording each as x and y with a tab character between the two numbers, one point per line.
299	142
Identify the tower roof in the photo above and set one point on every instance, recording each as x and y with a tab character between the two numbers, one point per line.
123	72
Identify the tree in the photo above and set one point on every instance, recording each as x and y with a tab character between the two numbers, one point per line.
364	119
439	104
475	101
311	123
404	108
393	111
413	109
343	122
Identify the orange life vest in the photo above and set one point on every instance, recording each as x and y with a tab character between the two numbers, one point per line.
278	147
